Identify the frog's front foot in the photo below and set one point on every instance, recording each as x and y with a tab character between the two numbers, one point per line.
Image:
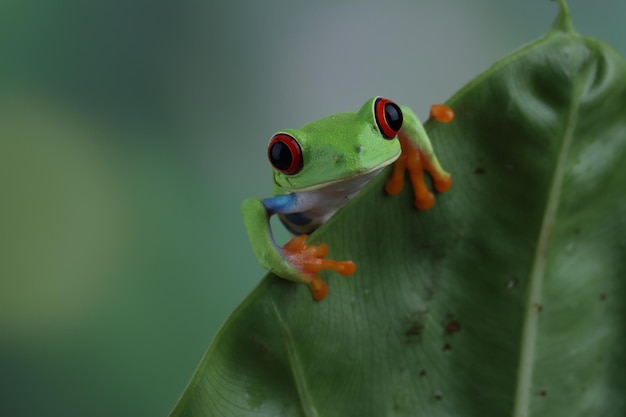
309	259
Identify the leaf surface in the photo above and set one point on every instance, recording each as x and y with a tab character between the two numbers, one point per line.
507	298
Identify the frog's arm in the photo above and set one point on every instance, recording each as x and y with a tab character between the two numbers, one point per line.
256	216
295	261
417	156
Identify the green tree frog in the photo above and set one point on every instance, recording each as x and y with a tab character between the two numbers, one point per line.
318	168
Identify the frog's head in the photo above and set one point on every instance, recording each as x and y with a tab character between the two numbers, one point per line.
336	148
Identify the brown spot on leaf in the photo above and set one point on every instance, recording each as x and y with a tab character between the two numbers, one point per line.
453	327
415	321
414	331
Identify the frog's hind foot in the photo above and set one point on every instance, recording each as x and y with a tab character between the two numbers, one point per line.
415	161
417	156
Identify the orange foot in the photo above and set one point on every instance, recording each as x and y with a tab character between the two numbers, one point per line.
416	161
310	259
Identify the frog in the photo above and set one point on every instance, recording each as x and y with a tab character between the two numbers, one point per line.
318	168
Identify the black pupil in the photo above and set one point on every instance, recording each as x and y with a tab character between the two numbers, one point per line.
393	116
280	155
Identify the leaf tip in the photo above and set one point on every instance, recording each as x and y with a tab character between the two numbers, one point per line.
563	21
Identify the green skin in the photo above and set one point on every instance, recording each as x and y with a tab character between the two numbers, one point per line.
345	148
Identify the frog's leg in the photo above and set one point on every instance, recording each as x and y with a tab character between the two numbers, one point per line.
418	156
295	261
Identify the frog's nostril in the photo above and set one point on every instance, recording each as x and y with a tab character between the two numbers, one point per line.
359	148
338	157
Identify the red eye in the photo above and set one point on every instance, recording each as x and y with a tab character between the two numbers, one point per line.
388	117
285	154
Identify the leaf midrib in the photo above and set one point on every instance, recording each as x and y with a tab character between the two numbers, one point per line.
537	274
308	407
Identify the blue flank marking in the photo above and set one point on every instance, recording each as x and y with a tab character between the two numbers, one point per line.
297	219
286	206
296	223
289	228
280	203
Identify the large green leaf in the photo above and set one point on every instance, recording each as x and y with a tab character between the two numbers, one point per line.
508	298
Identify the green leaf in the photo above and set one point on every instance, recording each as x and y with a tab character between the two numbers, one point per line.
505	299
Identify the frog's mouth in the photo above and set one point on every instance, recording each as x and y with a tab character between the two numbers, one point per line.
353	181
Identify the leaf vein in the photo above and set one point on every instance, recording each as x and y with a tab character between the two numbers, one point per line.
538	269
308	407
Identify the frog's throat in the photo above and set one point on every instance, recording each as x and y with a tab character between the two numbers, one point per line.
366	175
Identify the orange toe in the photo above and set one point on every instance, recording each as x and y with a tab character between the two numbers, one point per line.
319	289
441	113
443	184
424	202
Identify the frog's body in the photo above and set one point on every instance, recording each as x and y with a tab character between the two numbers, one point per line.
321	166
315	207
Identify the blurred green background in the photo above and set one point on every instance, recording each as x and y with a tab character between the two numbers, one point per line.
130	133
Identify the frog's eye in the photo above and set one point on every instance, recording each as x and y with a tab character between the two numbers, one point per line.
285	153
388	117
